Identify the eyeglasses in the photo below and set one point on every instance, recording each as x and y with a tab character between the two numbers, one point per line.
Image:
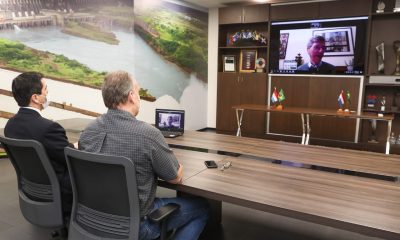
225	166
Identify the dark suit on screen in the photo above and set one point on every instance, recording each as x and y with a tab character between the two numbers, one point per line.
323	68
29	124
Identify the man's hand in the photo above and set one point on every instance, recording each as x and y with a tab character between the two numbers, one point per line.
179	176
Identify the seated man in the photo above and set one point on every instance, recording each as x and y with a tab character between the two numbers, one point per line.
316	50
119	133
30	92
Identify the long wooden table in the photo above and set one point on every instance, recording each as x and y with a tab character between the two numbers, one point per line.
335	158
367	206
305	113
358	204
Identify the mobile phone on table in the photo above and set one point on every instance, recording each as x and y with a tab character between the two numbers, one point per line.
210	164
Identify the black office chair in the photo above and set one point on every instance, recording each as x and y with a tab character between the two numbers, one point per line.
38	187
106	203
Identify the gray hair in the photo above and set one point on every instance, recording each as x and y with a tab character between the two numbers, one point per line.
116	88
315	39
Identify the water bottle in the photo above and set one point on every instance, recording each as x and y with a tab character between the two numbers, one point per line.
392	139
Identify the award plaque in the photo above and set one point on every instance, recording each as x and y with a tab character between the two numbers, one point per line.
229	63
248	60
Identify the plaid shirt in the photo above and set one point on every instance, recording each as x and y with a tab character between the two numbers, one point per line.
119	133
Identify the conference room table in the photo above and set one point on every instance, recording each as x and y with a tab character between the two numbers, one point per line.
305	114
367	206
363	203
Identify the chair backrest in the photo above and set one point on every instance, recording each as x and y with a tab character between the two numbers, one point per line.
38	186
106	203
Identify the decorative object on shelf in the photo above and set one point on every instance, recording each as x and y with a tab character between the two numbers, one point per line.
396	46
380	7
284	38
383	103
260	65
246	38
398	140
372	137
397	6
341	101
349	65
299	60
229	63
371	100
248	60
392	139
380	48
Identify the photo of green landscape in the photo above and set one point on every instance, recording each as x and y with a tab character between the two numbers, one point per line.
181	39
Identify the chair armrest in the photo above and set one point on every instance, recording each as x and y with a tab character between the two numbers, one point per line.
163	212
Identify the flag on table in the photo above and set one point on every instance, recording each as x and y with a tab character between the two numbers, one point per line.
281	96
348	97
275	95
341	99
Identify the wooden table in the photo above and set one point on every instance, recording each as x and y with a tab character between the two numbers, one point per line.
305	113
335	158
367	206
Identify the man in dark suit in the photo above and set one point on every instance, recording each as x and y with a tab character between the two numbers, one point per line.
316	49
30	92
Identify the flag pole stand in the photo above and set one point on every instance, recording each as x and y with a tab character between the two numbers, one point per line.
339	110
279	107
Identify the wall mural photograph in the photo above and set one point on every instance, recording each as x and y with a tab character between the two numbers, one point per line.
74	43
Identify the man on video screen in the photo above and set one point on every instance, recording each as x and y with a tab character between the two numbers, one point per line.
316	49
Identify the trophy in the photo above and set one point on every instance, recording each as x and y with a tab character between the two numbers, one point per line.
372	137
380	48
397	6
383	104
380	7
396	46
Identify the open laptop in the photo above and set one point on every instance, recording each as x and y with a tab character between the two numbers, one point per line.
170	122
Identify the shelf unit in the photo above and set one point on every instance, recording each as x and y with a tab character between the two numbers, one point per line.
382	27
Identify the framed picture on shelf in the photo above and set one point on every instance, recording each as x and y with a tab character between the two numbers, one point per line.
338	41
229	63
248	60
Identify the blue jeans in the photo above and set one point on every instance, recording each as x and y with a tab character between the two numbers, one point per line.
189	220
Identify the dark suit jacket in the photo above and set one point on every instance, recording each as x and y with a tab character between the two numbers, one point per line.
325	68
29	124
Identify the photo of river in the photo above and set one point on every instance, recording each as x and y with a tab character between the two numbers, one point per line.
151	70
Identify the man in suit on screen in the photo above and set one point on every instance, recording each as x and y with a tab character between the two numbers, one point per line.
316	49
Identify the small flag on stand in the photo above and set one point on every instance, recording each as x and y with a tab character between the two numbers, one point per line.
275	96
341	100
348	98
281	96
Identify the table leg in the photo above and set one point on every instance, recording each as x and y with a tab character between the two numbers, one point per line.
388	136
303	137
239	117
308	129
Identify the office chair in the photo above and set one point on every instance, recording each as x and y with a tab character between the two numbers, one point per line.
38	187
106	203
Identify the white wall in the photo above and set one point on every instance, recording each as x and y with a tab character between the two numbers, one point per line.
212	67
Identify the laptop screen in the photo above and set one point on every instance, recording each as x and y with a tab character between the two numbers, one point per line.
170	120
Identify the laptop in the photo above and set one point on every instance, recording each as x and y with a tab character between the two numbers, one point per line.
170	122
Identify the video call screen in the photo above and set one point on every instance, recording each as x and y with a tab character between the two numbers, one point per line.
344	48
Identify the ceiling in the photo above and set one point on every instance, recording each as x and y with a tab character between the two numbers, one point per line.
222	3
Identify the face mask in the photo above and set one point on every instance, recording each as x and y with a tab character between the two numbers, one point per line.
47	102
